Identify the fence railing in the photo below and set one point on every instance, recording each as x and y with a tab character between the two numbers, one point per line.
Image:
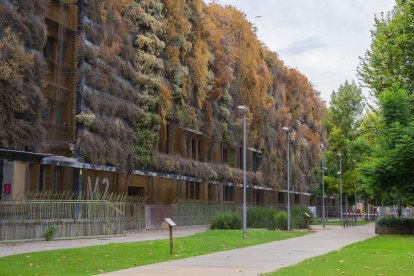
156	214
134	216
30	220
192	214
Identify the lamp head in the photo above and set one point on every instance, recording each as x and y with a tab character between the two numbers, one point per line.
242	108
286	129
322	146
340	155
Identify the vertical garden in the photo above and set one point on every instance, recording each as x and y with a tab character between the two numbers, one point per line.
146	63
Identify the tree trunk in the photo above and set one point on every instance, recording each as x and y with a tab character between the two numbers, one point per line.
399	209
346	203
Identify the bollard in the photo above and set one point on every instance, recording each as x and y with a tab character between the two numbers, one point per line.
347	220
343	220
308	220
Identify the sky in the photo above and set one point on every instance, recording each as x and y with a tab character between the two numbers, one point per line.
323	39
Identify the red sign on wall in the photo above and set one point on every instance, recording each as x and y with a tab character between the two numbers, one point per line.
7	189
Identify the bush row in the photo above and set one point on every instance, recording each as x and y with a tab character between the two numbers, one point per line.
263	218
395	226
396	221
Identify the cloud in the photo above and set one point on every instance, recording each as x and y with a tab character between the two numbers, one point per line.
302	46
321	38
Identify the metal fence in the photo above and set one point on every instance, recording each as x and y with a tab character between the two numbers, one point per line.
393	211
155	215
199	214
134	216
30	220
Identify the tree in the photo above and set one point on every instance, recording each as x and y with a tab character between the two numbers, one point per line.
390	61
342	123
390	170
387	135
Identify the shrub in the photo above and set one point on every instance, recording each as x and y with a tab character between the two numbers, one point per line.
298	217
261	218
50	233
396	221
395	225
226	220
281	220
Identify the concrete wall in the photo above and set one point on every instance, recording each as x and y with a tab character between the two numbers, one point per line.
16	177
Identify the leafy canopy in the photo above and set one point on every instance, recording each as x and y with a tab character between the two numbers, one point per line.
390	61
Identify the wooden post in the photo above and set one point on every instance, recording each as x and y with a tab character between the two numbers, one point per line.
171	241
171	224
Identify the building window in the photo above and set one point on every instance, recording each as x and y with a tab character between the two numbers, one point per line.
297	199
194	149
260	198
228	192
193	190
225	155
280	198
257	160
46	112
136	191
200	153
167	142
49	47
59	113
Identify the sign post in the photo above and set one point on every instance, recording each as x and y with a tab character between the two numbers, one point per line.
171	224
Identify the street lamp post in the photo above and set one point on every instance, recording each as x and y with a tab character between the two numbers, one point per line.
355	197
340	182
244	110
288	142
323	184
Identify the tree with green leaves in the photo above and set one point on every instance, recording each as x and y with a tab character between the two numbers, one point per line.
342	123
390	170
390	60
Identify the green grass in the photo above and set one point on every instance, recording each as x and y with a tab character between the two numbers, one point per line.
382	255
111	257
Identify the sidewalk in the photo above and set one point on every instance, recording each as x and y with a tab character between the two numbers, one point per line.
262	258
7	249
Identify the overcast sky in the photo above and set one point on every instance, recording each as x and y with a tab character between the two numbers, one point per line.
321	38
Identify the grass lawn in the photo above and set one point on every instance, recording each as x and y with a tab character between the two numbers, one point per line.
111	257
382	255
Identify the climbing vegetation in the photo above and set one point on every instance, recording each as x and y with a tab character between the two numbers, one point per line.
22	37
146	64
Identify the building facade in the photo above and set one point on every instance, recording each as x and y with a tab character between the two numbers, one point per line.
101	69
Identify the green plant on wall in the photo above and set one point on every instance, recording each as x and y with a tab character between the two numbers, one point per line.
22	38
147	17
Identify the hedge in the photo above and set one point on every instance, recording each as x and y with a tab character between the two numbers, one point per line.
395	225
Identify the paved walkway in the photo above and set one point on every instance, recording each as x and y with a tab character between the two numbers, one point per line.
7	249
262	258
